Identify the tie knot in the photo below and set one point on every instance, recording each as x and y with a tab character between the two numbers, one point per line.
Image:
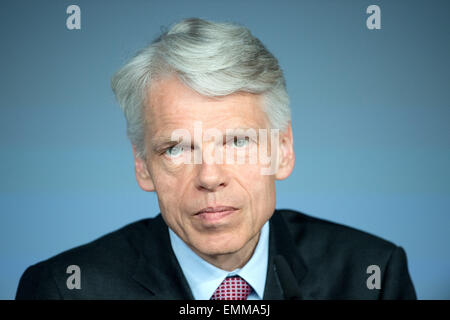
232	288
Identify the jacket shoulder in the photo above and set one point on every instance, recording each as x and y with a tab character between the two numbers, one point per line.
118	244
340	258
102	262
330	234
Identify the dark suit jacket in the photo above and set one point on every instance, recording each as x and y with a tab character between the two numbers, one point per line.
326	260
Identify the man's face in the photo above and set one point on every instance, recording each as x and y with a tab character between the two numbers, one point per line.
245	197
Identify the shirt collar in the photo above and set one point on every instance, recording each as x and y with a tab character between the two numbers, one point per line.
204	278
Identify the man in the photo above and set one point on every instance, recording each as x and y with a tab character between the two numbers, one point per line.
200	93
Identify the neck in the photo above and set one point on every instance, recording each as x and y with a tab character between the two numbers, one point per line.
233	260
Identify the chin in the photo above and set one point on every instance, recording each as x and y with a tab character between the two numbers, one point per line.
220	245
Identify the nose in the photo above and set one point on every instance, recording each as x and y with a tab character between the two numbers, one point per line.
211	176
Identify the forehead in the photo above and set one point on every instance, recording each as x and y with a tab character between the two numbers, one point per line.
172	105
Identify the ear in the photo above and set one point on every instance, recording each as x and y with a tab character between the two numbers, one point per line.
286	154
143	176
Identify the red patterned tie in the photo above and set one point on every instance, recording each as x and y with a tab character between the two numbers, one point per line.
232	288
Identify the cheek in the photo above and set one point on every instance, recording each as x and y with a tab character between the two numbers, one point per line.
166	173
169	184
260	190
170	190
265	191
253	175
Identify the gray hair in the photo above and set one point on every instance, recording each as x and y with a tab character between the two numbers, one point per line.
214	59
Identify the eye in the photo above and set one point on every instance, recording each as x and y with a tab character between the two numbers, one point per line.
240	142
174	151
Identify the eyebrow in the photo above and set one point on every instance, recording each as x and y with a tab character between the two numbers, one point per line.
162	141
241	132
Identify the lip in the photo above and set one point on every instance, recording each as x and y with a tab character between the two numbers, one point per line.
216	209
214	214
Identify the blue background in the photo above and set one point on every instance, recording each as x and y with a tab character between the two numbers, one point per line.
370	114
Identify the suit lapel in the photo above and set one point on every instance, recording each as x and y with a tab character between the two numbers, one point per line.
157	269
282	243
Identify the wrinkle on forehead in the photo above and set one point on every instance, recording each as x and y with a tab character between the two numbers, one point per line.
172	105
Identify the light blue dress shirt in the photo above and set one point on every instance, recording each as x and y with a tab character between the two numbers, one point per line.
204	278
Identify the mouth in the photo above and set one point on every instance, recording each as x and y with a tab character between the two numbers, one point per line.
213	214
